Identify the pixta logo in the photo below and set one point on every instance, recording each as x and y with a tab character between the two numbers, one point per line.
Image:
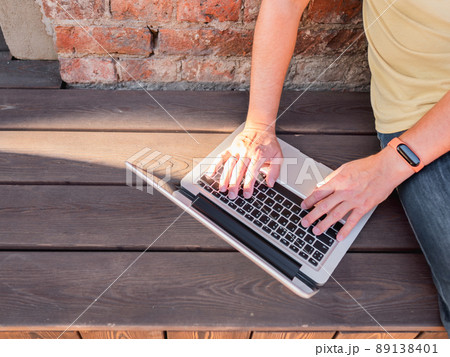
148	162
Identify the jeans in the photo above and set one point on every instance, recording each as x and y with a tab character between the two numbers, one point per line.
425	197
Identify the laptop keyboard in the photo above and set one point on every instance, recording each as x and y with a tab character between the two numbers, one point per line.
276	211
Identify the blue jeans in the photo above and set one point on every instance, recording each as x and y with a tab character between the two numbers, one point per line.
425	197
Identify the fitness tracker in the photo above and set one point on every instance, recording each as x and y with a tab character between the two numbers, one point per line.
407	154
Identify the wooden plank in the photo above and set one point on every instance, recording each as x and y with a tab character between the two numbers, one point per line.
433	335
208	334
29	74
69	157
91	157
123	218
112	334
39	334
292	335
5	56
375	335
314	112
326	112
209	291
83	217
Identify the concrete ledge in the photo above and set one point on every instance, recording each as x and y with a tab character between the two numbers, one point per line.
24	30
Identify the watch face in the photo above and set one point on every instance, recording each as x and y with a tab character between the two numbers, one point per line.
408	155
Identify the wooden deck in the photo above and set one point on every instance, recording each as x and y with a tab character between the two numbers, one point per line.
70	226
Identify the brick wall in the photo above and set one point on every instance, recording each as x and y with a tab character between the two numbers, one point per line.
199	44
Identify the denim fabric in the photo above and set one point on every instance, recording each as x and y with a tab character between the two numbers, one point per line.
425	197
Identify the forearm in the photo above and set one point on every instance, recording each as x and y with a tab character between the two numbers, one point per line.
273	45
429	139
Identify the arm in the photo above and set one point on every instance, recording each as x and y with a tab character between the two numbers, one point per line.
256	146
273	46
360	185
430	137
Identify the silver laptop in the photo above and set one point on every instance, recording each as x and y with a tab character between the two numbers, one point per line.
265	228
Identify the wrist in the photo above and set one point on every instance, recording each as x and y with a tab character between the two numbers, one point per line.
260	125
394	167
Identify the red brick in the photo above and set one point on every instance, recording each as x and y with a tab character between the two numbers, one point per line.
342	39
334	11
251	10
208	70
102	40
147	70
208	10
332	41
87	70
148	10
205	42
77	9
325	73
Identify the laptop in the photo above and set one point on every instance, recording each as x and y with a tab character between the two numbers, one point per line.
265	228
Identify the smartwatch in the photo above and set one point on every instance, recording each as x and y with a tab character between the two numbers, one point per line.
407	154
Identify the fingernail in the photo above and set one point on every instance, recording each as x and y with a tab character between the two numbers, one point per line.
303	206
340	237
231	195
222	188
271	182
316	231
247	194
305	223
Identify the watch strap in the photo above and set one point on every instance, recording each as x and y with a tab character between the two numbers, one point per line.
394	143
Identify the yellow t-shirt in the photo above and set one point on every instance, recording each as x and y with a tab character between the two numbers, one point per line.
409	57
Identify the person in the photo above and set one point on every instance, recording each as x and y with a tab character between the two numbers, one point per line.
409	59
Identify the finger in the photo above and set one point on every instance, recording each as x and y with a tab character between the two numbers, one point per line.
251	175
273	171
228	168
351	222
323	207
217	163
236	177
332	217
265	168
318	195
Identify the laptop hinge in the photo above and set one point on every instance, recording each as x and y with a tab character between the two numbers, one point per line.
271	254
307	280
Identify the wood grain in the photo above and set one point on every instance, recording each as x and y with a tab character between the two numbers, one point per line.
79	157
29	74
314	112
208	334
38	335
375	335
433	335
123	218
292	335
69	157
79	202
326	112
177	291
113	334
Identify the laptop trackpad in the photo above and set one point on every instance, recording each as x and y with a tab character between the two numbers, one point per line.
300	171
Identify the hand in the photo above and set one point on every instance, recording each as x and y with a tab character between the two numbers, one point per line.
357	186
253	149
